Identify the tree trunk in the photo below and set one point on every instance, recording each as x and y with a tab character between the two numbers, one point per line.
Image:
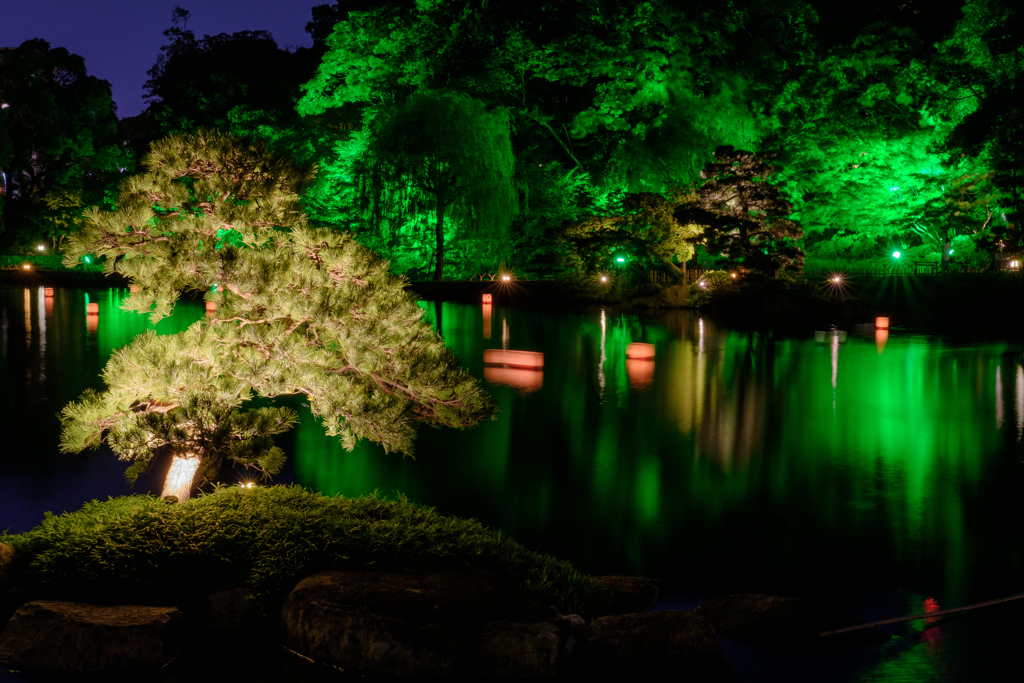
439	228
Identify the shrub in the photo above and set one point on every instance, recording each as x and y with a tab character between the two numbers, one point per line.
145	550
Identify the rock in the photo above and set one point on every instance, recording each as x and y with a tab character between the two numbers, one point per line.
232	610
779	621
669	645
6	566
9	601
74	637
627	594
405	625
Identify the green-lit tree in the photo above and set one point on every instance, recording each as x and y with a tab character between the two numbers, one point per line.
299	311
452	150
743	215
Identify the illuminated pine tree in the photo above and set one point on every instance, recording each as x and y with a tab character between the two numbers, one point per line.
299	311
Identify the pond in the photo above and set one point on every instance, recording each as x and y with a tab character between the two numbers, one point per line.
880	474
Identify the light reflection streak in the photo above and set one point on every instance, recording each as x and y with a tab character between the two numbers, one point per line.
504	334
999	398
835	368
1019	401
28	332
41	302
600	364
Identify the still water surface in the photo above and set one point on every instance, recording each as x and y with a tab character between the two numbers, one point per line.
873	475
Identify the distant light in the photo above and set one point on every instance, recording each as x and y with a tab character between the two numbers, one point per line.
703	284
895	254
41	248
214	288
837	279
951	252
4	105
733	275
620	259
604	278
87	259
506	278
27	267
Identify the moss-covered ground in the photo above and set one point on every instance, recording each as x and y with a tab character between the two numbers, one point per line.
142	549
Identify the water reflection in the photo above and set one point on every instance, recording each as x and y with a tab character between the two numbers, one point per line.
742	464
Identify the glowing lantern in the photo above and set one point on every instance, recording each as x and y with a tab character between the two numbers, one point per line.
27	266
881	323
640	351
48	291
531	360
487	299
211	306
92	308
41	248
134	289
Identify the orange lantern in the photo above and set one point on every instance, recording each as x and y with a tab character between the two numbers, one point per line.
881	323
92	309
48	291
211	306
487	298
640	351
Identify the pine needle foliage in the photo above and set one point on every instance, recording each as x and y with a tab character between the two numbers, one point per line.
142	549
298	311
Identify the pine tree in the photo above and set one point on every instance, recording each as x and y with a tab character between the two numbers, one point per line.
744	216
299	311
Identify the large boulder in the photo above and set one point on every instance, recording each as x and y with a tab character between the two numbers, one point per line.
410	625
627	594
8	598
768	619
75	637
669	645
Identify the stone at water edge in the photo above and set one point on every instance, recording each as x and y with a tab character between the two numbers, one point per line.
628	594
74	637
470	623
651	646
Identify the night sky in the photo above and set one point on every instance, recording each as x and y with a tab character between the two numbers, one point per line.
120	39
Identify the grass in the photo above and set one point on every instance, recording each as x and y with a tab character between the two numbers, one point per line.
144	550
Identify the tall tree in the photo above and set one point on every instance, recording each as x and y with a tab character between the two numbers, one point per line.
299	311
744	216
450	148
59	147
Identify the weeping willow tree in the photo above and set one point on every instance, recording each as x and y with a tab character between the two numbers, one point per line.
451	150
298	311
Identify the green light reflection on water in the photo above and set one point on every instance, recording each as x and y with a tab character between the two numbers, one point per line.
731	435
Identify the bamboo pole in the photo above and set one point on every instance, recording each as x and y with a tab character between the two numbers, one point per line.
926	615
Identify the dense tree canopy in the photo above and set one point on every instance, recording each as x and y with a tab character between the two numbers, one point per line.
59	147
895	123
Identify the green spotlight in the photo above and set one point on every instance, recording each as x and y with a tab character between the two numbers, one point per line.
620	259
895	254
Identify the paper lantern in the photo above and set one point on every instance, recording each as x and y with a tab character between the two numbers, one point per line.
530	360
640	351
487	298
881	323
92	309
48	291
211	306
